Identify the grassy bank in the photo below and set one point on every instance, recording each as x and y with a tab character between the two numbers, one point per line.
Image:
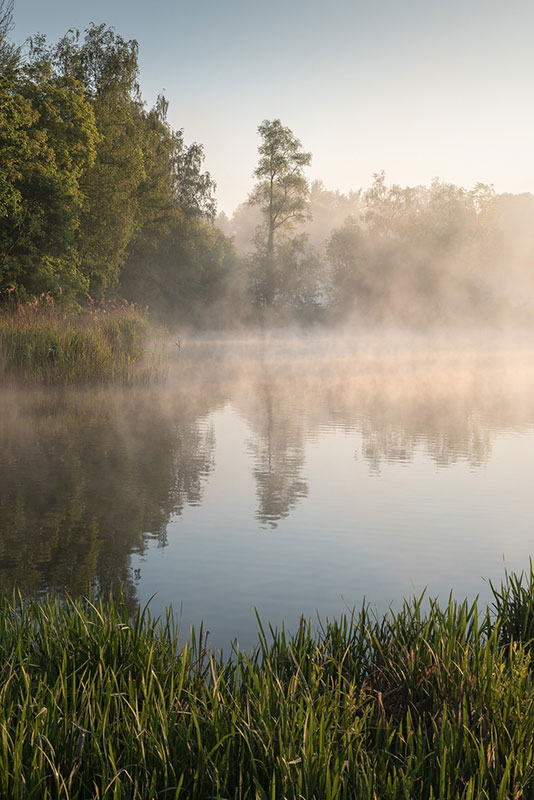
434	704
40	342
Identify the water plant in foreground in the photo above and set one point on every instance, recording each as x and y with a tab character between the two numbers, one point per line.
429	702
42	342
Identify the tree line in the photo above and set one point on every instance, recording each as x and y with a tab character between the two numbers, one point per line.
415	255
101	197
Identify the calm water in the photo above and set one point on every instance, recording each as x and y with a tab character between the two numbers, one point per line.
291	475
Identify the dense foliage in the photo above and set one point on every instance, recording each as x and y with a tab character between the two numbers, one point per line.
435	703
99	196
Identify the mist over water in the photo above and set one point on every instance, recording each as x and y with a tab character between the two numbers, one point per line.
292	473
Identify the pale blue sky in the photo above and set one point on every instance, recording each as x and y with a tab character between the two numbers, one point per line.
420	89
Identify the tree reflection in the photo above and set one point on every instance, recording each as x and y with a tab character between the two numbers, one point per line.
433	409
448	408
87	477
277	446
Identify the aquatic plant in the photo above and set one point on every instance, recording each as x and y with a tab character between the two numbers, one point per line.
429	702
43	342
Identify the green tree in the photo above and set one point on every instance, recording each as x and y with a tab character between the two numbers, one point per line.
17	116
178	260
348	274
192	189
106	65
183	274
281	193
47	140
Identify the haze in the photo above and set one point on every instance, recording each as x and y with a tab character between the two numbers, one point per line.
418	89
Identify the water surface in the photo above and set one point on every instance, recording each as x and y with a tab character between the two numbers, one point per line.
292	475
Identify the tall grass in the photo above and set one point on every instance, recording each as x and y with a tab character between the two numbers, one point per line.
41	342
434	703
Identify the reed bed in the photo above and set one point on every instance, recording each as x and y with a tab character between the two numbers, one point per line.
429	702
42	343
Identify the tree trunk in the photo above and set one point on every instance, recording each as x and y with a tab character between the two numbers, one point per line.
270	279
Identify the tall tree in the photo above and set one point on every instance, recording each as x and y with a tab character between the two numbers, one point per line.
47	140
106	65
177	261
281	193
9	52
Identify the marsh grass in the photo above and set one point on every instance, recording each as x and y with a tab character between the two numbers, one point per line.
434	703
41	342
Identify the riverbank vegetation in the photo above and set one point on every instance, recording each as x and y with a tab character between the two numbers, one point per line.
101	196
41	342
430	701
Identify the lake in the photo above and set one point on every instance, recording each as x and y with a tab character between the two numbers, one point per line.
290	474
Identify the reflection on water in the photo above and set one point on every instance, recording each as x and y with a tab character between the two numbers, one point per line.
88	477
174	488
277	443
